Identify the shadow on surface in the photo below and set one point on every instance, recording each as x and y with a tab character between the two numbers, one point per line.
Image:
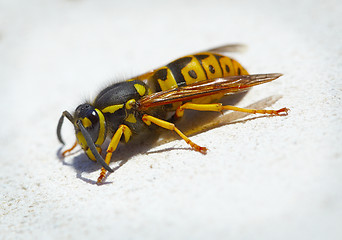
206	121
141	145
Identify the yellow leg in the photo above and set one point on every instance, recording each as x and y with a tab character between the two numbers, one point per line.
70	149
164	124
218	107
123	129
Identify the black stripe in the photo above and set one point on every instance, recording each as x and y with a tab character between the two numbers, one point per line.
176	68
200	57
218	61
160	74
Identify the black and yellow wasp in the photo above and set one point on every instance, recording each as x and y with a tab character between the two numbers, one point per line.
126	109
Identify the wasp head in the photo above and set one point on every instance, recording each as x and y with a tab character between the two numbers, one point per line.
90	130
94	123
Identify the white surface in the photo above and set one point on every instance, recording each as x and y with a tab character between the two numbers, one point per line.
263	178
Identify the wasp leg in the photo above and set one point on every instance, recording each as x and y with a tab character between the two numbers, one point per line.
69	150
218	107
167	125
123	129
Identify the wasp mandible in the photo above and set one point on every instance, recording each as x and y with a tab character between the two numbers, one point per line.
124	110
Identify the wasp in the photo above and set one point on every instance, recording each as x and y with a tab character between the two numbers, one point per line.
125	109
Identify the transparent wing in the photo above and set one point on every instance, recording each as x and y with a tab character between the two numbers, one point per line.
228	48
227	85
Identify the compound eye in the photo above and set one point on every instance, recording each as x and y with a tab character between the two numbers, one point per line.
92	116
88	115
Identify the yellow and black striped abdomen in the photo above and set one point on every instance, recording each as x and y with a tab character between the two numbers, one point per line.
194	68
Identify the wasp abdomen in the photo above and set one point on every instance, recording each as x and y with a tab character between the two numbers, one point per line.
194	68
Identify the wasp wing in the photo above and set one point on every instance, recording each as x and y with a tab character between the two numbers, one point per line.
226	85
229	48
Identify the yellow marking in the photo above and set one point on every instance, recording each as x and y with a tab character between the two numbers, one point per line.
170	126
127	133
164	124
140	89
130	103
195	66
226	64
211	66
114	142
113	108
131	118
169	82
86	122
123	129
129	80
102	131
201	100
239	70
91	155
199	107
218	107
282	111
81	140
